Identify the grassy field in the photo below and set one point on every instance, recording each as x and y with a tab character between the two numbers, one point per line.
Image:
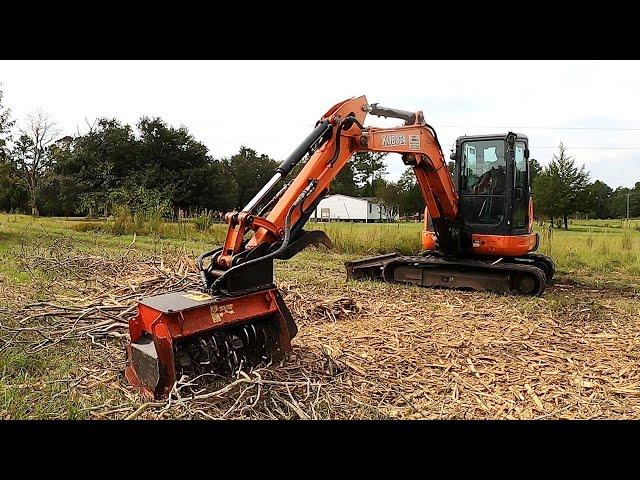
591	250
595	297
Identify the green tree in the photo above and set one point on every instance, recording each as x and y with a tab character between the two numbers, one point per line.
91	165
249	171
111	165
13	196
222	192
546	198
175	163
389	194
411	201
619	199
597	199
57	193
534	170
10	191
560	186
634	201
369	167
619	202
345	182
6	124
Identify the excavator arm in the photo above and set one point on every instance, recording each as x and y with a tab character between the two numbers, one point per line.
338	135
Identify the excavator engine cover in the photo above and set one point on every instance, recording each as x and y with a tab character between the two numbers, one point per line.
191	333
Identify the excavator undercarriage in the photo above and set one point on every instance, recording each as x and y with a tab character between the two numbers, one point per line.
526	275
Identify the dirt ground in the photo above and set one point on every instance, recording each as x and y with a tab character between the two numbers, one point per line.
364	350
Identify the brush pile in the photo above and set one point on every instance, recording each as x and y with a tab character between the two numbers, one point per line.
364	350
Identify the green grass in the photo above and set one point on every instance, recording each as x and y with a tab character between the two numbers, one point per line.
372	238
599	253
596	251
25	377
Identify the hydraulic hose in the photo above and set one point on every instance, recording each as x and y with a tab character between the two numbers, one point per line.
204	255
285	241
199	260
336	152
435	136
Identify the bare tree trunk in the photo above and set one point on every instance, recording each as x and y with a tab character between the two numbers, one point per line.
566	226
34	207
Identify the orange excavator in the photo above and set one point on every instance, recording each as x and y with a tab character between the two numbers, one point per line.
478	235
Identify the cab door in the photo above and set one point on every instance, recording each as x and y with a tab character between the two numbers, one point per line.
521	190
482	182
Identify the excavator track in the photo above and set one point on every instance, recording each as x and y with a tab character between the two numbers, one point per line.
543	262
521	276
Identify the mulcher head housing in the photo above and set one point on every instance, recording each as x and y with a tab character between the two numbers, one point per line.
192	333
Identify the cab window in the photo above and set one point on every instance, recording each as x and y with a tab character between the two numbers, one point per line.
483	181
483	168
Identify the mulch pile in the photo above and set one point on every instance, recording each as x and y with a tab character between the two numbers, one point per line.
363	350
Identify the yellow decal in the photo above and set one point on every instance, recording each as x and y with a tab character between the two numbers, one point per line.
217	311
198	297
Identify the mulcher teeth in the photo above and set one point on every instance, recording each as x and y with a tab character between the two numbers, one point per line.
229	350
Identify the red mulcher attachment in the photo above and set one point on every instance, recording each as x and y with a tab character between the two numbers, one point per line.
239	320
194	332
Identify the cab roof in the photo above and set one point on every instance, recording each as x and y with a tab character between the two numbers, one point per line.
490	136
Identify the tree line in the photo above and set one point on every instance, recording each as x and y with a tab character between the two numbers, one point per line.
562	189
155	166
151	166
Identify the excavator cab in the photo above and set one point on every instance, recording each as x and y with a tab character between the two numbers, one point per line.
492	180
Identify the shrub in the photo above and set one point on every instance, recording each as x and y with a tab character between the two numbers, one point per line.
203	221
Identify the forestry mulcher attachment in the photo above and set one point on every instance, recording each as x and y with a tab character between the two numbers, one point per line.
477	236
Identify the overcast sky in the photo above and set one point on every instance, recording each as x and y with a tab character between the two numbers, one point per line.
272	105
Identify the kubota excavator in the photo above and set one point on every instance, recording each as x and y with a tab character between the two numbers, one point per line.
478	235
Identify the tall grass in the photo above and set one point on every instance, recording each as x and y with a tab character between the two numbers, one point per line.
123	222
372	238
203	222
600	248
627	239
590	239
606	249
152	224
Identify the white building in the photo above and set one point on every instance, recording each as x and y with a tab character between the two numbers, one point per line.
352	209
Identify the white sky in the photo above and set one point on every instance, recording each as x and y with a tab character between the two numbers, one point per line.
272	105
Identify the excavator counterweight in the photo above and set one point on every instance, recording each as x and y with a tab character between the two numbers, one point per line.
478	235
